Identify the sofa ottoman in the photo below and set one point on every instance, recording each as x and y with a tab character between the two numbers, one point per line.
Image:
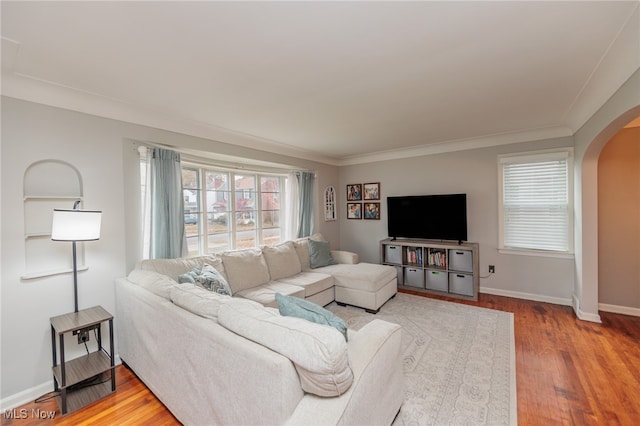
366	285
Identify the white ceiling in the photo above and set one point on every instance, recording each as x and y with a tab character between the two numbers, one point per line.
337	82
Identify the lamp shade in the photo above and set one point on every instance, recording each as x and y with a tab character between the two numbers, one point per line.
76	225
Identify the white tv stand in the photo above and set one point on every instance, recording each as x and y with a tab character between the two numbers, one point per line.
438	267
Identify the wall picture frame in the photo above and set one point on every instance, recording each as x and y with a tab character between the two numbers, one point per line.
371	211
371	191
354	210
354	192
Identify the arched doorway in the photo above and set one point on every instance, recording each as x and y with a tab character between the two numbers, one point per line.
586	294
619	222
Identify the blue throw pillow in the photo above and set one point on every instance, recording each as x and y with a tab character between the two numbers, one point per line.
189	277
290	306
320	254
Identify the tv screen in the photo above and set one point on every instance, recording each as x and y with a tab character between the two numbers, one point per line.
429	217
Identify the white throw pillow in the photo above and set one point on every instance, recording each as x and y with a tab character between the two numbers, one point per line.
282	260
318	352
245	269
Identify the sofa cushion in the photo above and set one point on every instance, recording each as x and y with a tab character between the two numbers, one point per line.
369	277
295	307
320	254
155	282
318	352
175	267
266	294
302	249
282	260
197	300
312	282
245	269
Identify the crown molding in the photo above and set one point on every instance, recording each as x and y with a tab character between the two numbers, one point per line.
30	89
461	145
27	88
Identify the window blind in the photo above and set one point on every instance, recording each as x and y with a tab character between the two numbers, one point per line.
536	203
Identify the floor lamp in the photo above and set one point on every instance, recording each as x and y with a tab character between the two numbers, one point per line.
75	225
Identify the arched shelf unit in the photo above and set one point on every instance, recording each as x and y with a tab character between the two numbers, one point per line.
48	185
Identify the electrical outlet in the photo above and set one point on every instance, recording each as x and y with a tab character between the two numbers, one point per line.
492	269
83	335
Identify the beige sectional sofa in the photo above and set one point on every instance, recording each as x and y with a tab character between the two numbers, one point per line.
219	359
258	274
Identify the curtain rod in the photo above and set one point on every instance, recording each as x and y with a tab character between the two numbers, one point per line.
204	161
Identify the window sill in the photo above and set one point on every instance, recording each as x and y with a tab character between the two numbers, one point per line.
537	253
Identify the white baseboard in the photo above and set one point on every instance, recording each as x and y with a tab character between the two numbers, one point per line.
584	316
625	310
526	296
28	395
25	396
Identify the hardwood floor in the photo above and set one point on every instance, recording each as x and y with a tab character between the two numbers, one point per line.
568	372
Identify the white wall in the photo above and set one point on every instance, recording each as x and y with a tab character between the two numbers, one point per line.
101	150
473	172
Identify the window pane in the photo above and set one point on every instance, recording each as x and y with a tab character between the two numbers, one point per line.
218	243
190	178
217	181
245	200
270	201
245	220
270	219
193	246
270	184
271	236
191	201
218	223
246	230
191	224
245	182
217	191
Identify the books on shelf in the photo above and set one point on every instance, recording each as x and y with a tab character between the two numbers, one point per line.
437	258
414	255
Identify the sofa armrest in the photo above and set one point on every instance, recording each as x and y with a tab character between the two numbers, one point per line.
342	256
377	392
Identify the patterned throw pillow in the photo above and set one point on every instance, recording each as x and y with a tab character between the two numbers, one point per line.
212	280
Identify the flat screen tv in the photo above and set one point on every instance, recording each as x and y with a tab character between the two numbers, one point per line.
429	217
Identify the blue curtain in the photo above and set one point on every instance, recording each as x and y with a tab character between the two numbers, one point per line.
167	208
306	197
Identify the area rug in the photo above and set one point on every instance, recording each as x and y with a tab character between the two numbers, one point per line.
459	360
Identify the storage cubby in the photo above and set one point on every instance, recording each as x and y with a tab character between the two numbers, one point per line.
434	267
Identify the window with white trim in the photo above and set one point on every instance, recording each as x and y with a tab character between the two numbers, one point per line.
536	201
227	210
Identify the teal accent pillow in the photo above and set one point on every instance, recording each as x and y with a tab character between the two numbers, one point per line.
212	280
320	254
189	277
290	306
